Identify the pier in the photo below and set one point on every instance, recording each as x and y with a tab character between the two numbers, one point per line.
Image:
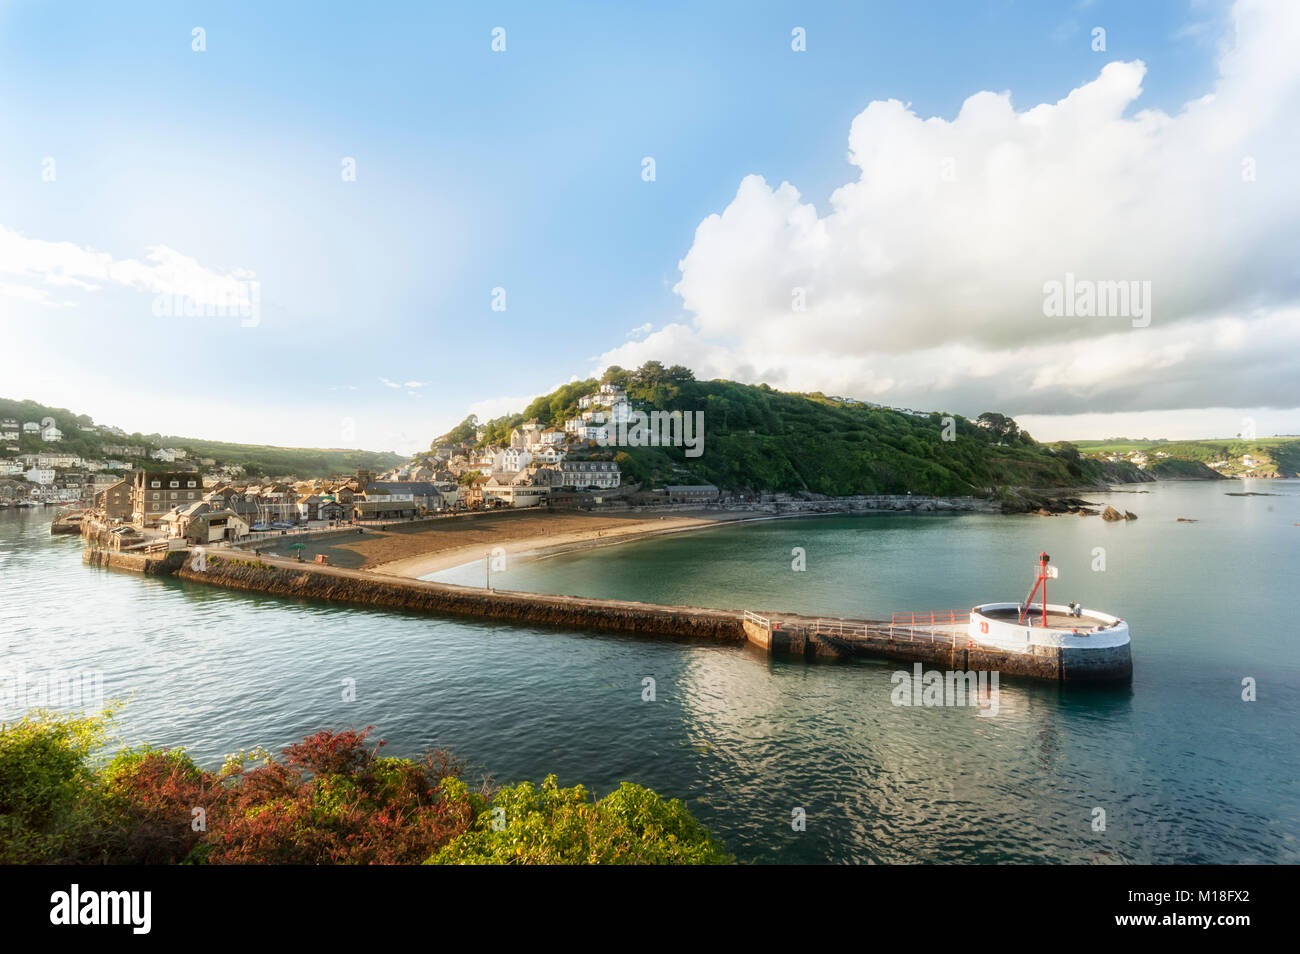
938	639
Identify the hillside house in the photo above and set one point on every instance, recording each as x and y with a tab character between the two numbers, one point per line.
581	474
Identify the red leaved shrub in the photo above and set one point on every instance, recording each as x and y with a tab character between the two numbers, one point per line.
332	800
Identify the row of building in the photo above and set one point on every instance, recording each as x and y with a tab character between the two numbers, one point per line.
537	465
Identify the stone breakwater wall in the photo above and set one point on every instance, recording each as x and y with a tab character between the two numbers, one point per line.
791	637
361	589
162	564
864	503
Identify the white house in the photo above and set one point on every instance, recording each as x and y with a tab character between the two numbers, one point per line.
31	427
607	396
40	475
620	412
513	459
50	432
548	454
603	474
58	460
517	492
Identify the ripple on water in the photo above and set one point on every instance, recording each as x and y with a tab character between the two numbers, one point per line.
1183	769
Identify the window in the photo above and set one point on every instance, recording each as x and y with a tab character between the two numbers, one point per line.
190	484
156	496
155	483
174	483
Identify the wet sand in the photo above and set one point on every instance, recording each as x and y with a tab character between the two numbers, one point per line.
430	546
547	533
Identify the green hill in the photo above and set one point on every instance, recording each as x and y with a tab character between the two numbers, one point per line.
760	439
1275	456
257	459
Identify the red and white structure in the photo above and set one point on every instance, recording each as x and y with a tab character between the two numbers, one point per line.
1089	642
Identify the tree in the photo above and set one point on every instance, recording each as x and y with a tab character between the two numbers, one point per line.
999	425
464	431
617	376
649	374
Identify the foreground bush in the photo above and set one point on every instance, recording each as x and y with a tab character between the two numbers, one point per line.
330	799
48	805
552	825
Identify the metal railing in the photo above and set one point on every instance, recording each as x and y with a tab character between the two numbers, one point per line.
899	627
839	627
929	618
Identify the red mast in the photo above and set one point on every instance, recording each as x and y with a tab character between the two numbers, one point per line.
1039	581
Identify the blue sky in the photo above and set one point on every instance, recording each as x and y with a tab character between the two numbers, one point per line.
475	169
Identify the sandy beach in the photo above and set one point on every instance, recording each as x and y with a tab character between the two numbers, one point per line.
429	547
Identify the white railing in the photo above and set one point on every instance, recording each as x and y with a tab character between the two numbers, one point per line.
914	618
851	629
839	627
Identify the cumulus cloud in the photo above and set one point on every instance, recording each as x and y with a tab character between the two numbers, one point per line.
164	271
923	282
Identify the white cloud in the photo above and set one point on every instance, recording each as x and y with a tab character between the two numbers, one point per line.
641	330
165	271
500	406
922	283
38	296
489	408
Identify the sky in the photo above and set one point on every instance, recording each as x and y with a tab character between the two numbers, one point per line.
349	225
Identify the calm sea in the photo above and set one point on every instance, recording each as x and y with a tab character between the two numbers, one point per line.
1183	769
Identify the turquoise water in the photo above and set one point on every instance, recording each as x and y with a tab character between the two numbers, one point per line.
1183	768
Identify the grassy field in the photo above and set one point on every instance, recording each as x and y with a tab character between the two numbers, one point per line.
1123	445
1275	454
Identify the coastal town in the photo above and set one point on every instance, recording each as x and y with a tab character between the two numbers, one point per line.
129	491
136	495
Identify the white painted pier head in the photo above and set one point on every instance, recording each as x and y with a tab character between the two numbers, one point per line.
1092	644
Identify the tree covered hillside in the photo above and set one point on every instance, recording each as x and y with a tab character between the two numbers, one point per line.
82	438
757	438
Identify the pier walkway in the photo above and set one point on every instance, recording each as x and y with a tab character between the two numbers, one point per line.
938	639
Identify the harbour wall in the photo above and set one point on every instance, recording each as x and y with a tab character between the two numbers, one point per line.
148	564
359	588
793	637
